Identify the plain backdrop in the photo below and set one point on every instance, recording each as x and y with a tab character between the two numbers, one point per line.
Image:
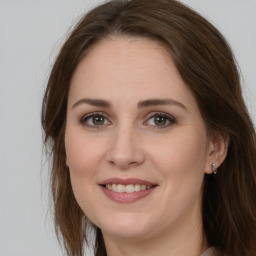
31	34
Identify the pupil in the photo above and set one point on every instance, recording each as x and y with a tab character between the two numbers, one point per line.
160	120
98	120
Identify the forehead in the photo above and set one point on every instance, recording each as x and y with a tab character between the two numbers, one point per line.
130	52
128	67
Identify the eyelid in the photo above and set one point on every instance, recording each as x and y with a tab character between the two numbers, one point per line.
170	118
91	114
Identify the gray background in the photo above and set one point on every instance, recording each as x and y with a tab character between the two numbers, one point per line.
31	34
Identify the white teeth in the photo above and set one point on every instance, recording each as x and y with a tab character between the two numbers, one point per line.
113	187
120	188
137	188
143	187
127	188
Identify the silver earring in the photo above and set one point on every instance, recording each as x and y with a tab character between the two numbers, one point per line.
214	168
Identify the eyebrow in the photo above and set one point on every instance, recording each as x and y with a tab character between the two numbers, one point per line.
93	102
158	102
141	104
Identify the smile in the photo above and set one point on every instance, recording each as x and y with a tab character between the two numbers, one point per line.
130	188
127	190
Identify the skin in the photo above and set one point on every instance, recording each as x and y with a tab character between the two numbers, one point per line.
129	143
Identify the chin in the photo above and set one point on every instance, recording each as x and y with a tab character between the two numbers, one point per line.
130	234
127	227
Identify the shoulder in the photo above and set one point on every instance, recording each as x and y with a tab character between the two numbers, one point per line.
210	252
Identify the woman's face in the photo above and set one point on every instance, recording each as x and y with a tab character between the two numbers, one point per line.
134	126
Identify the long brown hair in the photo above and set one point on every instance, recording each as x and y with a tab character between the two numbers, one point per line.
206	64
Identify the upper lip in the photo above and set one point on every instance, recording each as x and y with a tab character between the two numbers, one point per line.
127	181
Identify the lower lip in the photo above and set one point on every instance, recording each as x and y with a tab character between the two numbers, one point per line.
126	197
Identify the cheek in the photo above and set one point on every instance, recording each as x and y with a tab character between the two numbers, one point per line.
83	153
182	148
181	158
181	166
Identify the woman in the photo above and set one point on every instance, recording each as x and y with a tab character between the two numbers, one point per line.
152	145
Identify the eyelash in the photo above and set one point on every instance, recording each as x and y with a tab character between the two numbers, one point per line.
168	118
84	119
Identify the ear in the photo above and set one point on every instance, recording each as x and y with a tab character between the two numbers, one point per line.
217	151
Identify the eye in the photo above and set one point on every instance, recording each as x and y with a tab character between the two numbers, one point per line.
94	120
160	120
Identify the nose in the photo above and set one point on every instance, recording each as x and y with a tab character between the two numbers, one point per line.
125	150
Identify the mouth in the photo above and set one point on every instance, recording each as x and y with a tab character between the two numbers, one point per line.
130	188
126	190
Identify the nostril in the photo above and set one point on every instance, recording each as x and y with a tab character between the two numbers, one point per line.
124	153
